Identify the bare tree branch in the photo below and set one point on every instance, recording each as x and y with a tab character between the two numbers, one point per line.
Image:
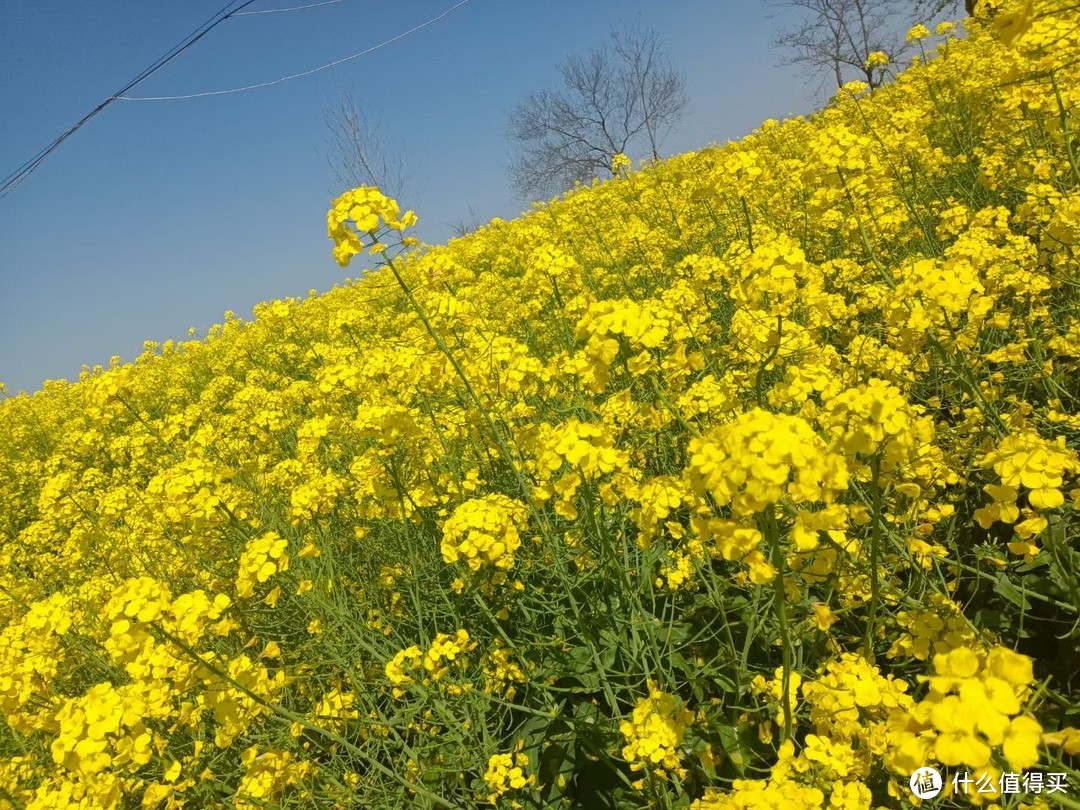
931	8
470	223
616	100
836	37
356	152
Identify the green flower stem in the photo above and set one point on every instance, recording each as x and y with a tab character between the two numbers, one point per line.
504	449
875	558
772	536
1066	139
284	714
500	440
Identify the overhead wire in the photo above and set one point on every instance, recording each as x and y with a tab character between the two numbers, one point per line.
301	75
29	166
283	10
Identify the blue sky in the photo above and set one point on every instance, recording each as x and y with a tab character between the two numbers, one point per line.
159	216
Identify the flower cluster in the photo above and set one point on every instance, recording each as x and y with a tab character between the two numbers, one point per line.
572	454
877	59
761	458
1029	461
620	162
368	209
483	532
446	653
103	727
877	416
851	699
268	774
939	628
502	673
264	556
973	714
654	733
507	772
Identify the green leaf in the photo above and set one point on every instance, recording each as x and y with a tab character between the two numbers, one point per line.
1009	592
738	752
676	634
555	762
1039	561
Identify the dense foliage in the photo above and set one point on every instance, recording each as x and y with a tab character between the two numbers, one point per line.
745	480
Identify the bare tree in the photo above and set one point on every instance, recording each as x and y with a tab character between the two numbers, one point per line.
356	151
931	8
836	37
470	223
623	99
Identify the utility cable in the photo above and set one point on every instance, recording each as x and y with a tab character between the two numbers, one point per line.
335	63
283	10
23	171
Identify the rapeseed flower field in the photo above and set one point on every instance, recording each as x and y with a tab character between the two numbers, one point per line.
747	479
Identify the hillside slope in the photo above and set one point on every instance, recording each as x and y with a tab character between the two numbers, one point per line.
671	492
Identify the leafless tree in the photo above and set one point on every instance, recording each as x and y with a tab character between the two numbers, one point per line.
469	223
836	37
621	99
356	151
931	8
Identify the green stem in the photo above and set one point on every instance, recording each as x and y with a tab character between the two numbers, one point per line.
504	450
150	428
759	394
772	533
284	714
875	560
660	395
749	223
888	279
1067	135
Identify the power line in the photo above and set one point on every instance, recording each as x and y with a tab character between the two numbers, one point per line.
335	63
27	168
23	171
283	10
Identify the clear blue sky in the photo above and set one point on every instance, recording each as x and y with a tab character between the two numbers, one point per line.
158	216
